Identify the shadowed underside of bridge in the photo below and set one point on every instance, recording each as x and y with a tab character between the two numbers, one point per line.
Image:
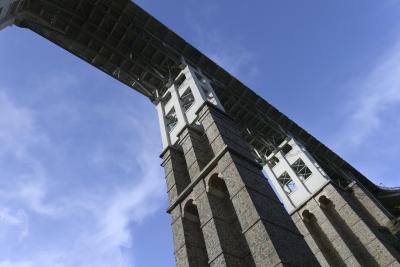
124	41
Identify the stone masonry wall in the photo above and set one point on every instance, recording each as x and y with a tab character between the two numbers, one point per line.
337	232
241	220
236	218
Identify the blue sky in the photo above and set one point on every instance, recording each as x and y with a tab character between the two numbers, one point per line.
80	181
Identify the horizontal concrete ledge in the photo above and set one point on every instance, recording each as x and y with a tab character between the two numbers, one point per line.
206	170
211	106
201	175
195	129
168	148
311	196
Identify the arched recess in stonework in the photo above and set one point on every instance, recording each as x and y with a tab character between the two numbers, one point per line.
229	231
330	254
346	233
194	238
367	216
362	211
178	172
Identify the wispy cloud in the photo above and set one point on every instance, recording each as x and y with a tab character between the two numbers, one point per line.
8	263
128	204
227	51
374	97
105	213
18	136
16	219
17	128
229	55
33	192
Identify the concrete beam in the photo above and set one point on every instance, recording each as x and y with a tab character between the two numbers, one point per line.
6	17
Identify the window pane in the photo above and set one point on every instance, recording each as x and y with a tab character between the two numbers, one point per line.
286	149
209	94
273	161
171	120
287	183
187	99
301	169
180	80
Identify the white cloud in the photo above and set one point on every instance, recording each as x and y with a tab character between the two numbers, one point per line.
106	232
13	220
17	127
376	96
228	52
16	264
10	219
33	192
229	55
132	203
18	136
109	235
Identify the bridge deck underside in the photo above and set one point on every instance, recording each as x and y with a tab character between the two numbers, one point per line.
127	43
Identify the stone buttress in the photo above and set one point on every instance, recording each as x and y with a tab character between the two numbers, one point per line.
224	212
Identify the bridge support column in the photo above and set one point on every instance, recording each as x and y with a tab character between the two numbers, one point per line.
242	221
269	232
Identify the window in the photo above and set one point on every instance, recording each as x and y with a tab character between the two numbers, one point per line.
209	95
171	120
301	169
273	161
166	98
286	149
180	80
187	99
286	183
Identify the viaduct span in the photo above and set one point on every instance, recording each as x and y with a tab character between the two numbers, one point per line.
218	135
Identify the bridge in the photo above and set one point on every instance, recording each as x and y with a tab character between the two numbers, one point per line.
125	42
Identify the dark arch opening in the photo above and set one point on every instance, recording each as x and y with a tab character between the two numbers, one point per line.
330	254
230	234
345	232
392	242
191	209
196	247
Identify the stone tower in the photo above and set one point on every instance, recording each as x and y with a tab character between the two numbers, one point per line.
224	212
344	225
